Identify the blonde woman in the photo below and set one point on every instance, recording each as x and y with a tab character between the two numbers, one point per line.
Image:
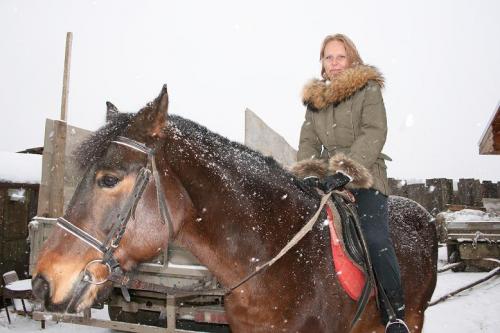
345	124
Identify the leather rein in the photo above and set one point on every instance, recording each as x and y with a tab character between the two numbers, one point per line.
112	240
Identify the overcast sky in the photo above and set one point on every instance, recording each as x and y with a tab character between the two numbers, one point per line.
440	60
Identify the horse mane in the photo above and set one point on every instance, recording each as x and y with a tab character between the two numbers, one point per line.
93	148
214	143
249	160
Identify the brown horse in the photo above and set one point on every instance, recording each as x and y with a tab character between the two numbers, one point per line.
233	209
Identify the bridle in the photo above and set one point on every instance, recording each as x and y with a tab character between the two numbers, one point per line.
112	240
115	235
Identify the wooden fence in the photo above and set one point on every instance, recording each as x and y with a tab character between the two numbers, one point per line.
14	218
435	194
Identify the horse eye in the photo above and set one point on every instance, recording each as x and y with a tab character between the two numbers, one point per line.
108	181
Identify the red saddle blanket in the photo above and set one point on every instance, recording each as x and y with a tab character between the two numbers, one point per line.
350	276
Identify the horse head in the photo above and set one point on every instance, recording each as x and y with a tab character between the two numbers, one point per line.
72	268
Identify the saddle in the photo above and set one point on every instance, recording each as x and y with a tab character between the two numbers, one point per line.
349	250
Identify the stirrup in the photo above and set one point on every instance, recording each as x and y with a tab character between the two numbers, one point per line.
397	321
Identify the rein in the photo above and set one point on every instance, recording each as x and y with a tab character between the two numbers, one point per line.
112	241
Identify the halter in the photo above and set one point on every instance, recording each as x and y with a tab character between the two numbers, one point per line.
115	235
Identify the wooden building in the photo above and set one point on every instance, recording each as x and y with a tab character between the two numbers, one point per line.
19	185
490	140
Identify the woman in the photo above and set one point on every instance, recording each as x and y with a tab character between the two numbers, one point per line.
346	124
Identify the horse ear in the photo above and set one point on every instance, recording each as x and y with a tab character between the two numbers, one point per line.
111	111
160	113
162	104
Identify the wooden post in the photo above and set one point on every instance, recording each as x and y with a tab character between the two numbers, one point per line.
440	192
397	187
67	65
51	195
417	192
51	203
469	192
489	189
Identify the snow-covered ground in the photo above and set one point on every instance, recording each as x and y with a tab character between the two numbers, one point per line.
475	310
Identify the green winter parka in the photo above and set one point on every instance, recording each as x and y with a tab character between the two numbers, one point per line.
347	116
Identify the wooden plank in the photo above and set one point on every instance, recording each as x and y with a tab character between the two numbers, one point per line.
56	196
67	65
116	325
60	172
469	192
39	230
398	187
418	192
261	137
50	203
14	218
440	193
489	189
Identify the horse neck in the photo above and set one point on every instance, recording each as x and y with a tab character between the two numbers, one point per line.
243	218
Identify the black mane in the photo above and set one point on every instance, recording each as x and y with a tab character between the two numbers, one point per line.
94	148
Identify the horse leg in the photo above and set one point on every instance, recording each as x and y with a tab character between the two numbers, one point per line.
415	319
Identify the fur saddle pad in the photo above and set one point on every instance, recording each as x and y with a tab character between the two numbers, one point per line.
349	273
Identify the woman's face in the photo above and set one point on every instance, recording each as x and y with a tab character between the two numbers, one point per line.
334	59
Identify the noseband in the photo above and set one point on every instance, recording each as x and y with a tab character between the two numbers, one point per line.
115	235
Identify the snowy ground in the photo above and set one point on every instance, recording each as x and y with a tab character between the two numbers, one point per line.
475	310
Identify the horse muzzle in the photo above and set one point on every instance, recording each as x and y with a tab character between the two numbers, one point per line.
81	296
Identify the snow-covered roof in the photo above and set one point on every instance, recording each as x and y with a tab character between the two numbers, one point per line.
20	168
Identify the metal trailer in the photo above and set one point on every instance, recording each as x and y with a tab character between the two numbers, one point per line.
470	241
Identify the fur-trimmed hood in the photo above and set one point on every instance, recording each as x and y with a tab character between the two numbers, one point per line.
318	94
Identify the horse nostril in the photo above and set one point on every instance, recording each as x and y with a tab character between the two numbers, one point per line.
41	288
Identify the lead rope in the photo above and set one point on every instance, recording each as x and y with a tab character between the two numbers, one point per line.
302	232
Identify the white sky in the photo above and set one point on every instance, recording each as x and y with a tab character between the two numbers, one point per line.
440	59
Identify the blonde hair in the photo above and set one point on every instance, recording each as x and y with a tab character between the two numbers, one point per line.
353	56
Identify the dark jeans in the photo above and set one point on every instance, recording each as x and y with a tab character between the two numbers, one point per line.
373	215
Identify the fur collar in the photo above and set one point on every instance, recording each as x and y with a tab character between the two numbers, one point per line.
318	94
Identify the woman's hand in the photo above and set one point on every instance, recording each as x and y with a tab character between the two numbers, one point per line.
335	181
